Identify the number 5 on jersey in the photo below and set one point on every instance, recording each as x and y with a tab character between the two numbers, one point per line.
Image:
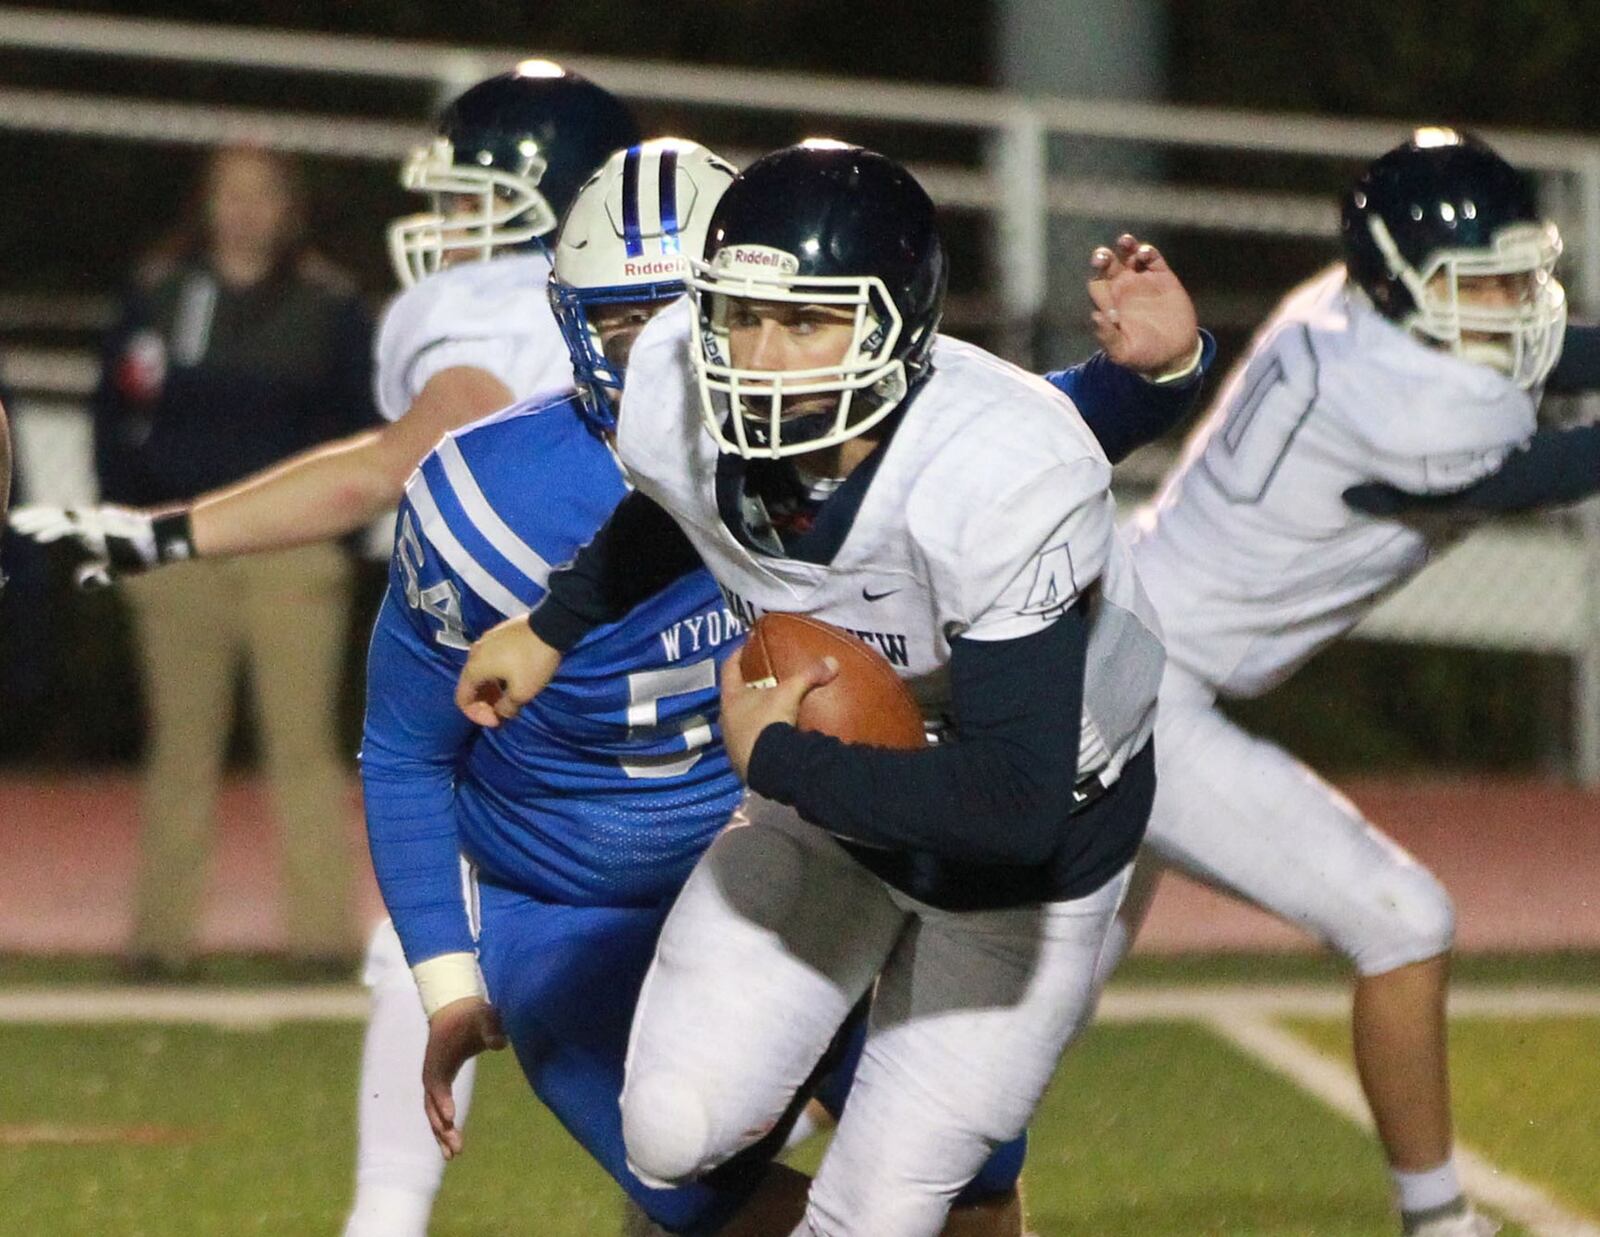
646	690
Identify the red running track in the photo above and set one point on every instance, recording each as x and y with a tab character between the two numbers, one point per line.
1522	859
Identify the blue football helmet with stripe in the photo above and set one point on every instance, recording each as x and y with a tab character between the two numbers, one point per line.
624	243
510	156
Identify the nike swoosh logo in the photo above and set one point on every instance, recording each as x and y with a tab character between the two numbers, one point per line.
870	596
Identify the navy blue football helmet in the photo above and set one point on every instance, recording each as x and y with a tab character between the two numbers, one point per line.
1446	240
818	224
511	154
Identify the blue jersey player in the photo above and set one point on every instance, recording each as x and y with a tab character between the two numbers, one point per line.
531	868
528	869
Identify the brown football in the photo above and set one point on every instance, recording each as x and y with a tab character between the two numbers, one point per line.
865	703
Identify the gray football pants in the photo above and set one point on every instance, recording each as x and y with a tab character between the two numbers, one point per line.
776	936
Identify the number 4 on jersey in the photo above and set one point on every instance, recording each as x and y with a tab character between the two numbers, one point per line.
1054	586
440	602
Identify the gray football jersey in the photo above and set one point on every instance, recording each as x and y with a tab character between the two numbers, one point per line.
988	516
494	316
1251	555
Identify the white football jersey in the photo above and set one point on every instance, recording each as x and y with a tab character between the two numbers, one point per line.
494	316
1250	553
988	516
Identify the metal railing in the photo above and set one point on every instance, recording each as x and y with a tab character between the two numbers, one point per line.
1015	185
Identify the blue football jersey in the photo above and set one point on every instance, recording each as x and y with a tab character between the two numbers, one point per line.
607	787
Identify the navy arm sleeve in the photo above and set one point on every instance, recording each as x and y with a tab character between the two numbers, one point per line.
411	744
1579	366
1553	468
1015	760
637	552
1125	411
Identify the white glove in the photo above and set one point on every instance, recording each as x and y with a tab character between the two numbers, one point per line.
110	541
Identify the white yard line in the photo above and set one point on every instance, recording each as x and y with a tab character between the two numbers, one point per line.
260	1007
227	1008
1143	1003
1335	1084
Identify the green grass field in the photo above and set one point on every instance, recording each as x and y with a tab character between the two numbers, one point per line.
1527	1095
1154	1128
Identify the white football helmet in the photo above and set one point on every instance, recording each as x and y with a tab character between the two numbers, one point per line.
626	238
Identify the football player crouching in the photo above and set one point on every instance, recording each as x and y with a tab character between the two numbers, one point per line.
579	823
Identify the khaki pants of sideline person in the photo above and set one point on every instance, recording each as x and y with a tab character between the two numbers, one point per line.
285	615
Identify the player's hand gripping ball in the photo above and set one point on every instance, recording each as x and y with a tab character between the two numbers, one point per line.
819	678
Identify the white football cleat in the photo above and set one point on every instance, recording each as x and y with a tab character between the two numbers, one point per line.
1467	1223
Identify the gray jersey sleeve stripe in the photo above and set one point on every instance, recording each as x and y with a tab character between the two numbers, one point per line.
467	568
485	519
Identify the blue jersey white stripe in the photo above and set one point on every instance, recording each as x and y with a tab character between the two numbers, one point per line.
609	785
485	519
437	530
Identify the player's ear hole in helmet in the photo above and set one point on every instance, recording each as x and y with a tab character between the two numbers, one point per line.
622	254
510	155
821	242
1445	238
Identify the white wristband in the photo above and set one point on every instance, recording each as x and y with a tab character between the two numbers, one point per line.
1179	372
447	978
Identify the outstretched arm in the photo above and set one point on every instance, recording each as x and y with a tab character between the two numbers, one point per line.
1554	468
341	486
323	493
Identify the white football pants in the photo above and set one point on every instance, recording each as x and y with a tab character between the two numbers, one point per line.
774	939
398	1164
1241	814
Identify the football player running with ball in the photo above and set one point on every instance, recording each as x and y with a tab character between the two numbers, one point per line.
471	332
800	427
1406	379
583	817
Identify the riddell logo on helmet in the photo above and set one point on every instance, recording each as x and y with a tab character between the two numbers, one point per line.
654	266
756	259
